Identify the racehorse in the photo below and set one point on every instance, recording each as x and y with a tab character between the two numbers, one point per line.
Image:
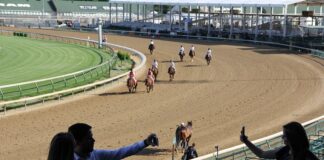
151	48
183	135
192	54
171	72
155	72
149	82
181	54
131	85
208	59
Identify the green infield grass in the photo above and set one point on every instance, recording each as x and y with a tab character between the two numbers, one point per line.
23	59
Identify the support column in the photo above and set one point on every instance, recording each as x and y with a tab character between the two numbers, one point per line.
171	19
138	12
153	16
116	13
220	21
244	19
271	23
199	14
285	22
257	24
130	12
295	9
110	13
123	12
231	29
100	33
179	16
208	33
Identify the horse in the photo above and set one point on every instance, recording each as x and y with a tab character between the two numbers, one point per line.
181	54
208	59
183	135
151	48
171	72
131	85
192	54
155	72
149	82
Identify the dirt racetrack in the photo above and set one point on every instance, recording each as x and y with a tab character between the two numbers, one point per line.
257	86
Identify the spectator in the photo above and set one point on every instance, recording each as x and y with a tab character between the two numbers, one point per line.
296	145
85	142
61	147
190	153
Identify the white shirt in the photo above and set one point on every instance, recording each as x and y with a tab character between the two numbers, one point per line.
172	64
192	48
151	42
209	53
155	64
182	49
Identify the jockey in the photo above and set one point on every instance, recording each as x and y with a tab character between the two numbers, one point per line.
150	75
155	64
181	51
192	49
172	64
208	54
132	75
152	42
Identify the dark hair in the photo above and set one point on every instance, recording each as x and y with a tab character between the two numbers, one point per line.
79	130
297	138
61	147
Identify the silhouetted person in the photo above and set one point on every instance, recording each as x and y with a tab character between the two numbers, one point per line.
61	147
190	153
85	142
296	145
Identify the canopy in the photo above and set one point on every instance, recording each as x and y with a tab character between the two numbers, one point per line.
234	3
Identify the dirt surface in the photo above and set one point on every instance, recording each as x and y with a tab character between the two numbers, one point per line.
256	86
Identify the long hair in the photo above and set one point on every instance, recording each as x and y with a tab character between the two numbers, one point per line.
62	147
297	139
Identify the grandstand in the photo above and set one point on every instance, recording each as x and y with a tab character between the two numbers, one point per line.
242	18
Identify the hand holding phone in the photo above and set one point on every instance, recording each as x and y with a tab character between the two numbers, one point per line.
243	137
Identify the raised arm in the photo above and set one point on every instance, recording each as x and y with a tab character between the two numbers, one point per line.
126	151
270	154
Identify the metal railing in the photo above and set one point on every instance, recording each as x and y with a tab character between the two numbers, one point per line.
313	128
58	81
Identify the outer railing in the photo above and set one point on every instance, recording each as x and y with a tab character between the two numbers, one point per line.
57	95
242	152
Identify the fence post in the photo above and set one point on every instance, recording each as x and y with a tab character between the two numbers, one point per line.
65	81
84	78
52	85
76	81
37	87
20	90
5	109
2	96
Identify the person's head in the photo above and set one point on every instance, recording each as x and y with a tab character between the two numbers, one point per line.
150	69
193	145
83	137
131	70
181	46
209	49
154	60
61	147
294	135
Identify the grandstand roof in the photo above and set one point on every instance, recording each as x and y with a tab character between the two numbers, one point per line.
269	3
